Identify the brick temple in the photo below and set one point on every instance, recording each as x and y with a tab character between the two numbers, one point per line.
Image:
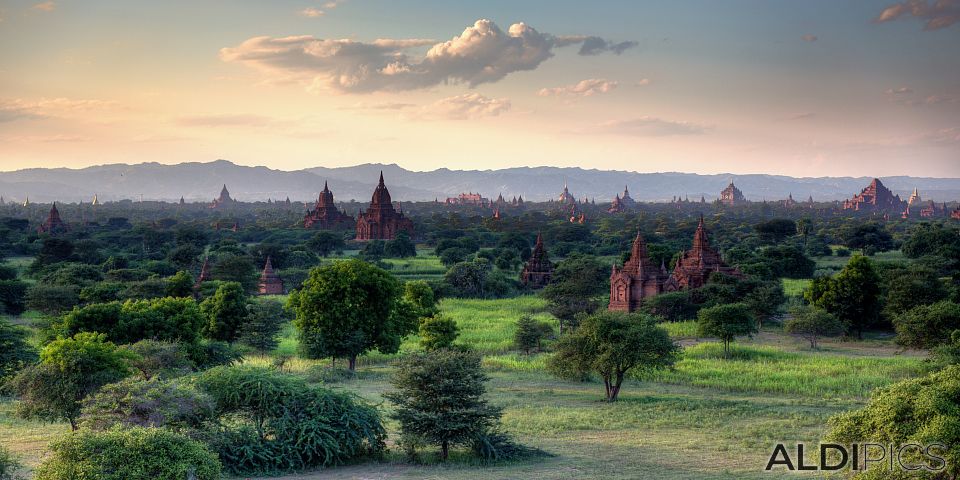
875	197
732	195
53	224
381	221
538	270
325	213
270	283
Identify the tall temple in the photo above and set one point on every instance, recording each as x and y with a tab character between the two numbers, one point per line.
696	264
875	197
270	283
732	195
325	213
565	196
914	198
616	206
638	279
223	200
538	270
626	199
53	224
381	221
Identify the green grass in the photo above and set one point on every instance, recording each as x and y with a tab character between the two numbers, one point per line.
767	369
794	287
681	330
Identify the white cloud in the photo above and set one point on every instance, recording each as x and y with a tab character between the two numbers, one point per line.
899	91
482	53
583	88
464	107
647	127
45	6
938	14
311	12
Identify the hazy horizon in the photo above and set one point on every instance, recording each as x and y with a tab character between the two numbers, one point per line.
804	89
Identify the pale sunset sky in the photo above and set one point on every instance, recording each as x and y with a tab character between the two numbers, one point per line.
802	88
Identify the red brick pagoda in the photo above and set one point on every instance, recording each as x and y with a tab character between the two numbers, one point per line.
538	270
698	263
325	213
638	279
876	197
53	224
732	195
223	200
381	221
270	282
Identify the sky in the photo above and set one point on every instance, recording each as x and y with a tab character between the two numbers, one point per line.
812	88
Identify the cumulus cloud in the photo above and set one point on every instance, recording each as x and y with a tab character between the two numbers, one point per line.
899	91
311	12
463	107
647	127
936	14
45	6
583	88
483	53
809	38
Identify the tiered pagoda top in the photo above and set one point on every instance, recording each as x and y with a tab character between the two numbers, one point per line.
696	264
381	221
875	196
538	270
325	214
53	224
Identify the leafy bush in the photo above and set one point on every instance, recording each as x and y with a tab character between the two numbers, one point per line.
265	318
437	332
12	297
279	423
171	404
9	465
531	333
175	319
156	358
15	351
212	353
129	454
927	326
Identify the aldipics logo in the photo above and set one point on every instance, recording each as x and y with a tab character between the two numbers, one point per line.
908	457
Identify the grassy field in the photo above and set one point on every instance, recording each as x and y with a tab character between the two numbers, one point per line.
708	418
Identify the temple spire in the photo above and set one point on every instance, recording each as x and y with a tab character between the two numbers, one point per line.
381	179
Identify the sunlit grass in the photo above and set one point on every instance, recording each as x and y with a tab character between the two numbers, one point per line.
793	287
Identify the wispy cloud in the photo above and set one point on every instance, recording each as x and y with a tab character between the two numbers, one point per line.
809	38
583	88
312	12
463	107
647	127
19	108
483	53
225	120
45	6
935	15
899	91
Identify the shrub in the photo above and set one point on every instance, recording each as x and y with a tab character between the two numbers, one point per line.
15	351
927	326
212	353
52	299
9	465
813	323
725	322
12	297
530	334
226	311
156	358
174	319
129	454
279	423
132	402
437	332
265	318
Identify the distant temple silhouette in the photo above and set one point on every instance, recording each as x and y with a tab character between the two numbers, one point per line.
876	197
223	200
325	213
732	195
381	221
53	224
270	283
538	270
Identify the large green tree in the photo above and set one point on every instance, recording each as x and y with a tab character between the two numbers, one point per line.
439	398
348	308
726	322
610	344
226	312
853	295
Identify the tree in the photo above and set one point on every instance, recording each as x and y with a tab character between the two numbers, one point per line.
400	247
265	318
155	358
926	326
910	287
12	297
916	411
15	350
726	322
52	299
348	308
764	301
577	286
69	370
812	323
172	319
438	332
439	398
852	295
185	256
776	230
226	312
870	237
236	268
530	334
324	243
469	279
419	294
180	285
610	344
135	453
133	402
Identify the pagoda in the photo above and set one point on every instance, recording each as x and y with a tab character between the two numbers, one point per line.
53	224
325	213
732	195
696	264
565	196
638	279
381	221
270	282
223	200
875	197
626	199
538	270
616	206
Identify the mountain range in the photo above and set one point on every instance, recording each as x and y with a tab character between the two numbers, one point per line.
202	182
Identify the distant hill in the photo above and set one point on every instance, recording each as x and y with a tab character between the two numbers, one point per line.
202	182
